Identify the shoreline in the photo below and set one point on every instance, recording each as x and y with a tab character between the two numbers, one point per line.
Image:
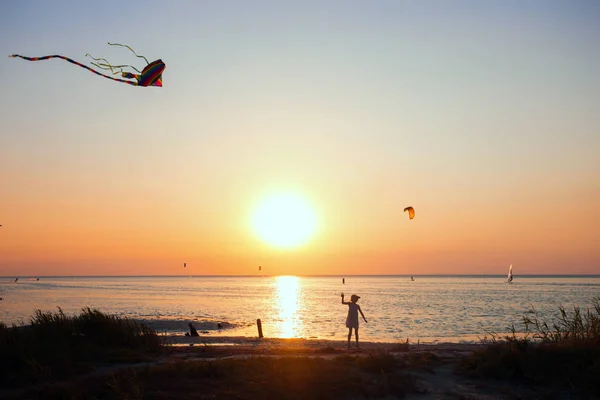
240	343
241	336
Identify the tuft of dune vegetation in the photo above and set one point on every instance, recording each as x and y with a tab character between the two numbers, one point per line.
577	328
563	354
55	346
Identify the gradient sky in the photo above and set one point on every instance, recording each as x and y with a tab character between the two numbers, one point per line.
484	116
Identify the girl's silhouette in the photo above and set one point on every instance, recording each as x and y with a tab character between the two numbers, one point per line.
352	318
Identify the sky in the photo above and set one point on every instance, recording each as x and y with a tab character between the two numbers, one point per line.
483	116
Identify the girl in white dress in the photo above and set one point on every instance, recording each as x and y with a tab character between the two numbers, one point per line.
352	318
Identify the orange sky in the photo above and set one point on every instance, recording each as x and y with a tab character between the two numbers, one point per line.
486	122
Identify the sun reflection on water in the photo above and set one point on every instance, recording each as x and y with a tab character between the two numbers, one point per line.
288	302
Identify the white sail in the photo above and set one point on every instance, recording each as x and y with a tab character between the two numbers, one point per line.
510	275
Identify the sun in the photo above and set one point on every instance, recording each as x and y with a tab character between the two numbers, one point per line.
284	220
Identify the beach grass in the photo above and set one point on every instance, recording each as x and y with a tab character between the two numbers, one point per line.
55	346
563	354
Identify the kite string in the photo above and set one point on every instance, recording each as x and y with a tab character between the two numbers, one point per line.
124	45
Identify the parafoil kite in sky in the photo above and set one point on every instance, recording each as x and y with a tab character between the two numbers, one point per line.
184	265
411	212
151	75
259	268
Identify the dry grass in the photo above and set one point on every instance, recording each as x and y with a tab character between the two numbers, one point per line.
563	354
56	346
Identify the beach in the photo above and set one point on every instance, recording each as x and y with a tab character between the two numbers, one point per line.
440	337
428	371
97	355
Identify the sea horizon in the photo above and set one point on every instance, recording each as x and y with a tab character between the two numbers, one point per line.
304	275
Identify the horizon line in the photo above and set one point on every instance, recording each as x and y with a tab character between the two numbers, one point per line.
298	275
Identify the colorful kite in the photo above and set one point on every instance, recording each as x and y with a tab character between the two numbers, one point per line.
151	75
411	212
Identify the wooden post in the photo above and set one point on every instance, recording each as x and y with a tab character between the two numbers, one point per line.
259	325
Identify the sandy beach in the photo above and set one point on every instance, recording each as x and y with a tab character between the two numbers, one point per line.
434	371
434	364
240	344
436	380
383	370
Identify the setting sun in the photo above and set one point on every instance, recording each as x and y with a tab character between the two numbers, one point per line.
284	220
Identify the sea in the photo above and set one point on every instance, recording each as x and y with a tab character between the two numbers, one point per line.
428	309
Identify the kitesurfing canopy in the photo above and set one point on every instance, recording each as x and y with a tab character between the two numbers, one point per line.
411	212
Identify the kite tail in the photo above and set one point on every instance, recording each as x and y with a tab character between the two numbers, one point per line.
136	54
133	83
108	66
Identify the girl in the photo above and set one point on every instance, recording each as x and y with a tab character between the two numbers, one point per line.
352	318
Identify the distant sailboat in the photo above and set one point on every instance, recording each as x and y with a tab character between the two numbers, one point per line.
510	275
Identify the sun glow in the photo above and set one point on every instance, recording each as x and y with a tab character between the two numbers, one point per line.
284	220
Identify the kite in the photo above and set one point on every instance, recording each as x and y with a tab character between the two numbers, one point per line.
411	212
151	75
259	267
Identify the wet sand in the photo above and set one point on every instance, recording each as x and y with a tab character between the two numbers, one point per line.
239	344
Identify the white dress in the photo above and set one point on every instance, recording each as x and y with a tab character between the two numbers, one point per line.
352	318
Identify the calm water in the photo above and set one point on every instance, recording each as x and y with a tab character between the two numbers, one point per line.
448	308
